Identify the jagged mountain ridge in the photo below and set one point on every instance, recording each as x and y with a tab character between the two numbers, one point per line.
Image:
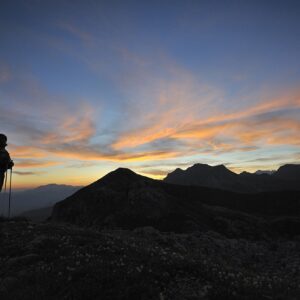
287	177
204	175
124	199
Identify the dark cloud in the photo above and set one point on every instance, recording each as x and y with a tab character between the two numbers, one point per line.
27	173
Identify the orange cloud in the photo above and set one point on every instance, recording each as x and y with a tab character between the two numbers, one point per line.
75	128
173	106
144	136
202	131
26	152
35	164
247	126
154	172
85	154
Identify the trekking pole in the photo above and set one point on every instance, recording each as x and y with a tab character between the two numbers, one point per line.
5	181
4	190
9	195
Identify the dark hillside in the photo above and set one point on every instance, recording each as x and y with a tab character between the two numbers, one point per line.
123	199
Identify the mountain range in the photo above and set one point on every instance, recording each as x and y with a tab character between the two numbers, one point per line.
287	177
125	200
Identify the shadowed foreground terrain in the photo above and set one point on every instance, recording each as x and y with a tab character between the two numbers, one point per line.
127	236
50	261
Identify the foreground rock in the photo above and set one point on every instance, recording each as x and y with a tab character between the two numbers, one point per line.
50	261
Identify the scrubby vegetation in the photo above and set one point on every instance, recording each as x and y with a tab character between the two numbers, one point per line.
51	261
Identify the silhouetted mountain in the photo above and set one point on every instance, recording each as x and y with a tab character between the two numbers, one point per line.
268	172
286	178
124	199
289	172
40	197
204	175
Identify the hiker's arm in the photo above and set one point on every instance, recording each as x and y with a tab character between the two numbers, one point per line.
10	163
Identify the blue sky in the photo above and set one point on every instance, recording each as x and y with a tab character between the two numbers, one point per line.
88	86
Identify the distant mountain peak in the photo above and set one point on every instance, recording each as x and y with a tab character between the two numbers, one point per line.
289	167
199	165
120	173
245	173
47	186
208	168
121	177
204	175
222	167
178	170
261	172
54	186
123	172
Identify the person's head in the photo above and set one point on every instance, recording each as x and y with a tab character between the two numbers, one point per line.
3	140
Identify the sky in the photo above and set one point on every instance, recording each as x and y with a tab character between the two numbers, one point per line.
90	86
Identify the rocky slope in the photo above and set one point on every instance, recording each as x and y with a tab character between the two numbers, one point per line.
51	261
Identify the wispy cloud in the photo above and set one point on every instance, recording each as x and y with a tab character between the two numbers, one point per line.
72	129
272	121
24	163
166	109
21	173
86	37
27	152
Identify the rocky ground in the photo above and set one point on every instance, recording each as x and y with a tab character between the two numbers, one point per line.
51	261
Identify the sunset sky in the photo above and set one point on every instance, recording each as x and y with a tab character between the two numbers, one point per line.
89	86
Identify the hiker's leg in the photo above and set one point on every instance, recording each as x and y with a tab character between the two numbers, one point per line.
1	180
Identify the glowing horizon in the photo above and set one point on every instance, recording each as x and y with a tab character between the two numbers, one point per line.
87	87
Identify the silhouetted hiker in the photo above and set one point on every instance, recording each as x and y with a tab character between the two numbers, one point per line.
5	160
